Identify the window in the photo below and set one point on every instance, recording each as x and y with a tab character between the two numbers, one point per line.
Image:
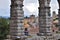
49	14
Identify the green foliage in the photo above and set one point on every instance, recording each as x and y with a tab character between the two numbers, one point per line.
55	19
4	28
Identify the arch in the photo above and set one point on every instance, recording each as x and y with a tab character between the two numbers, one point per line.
17	16
58	39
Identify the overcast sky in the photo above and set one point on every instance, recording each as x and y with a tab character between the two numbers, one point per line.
30	7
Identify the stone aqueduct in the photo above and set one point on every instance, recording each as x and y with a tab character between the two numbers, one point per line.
17	17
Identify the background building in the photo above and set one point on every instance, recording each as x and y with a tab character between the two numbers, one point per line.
55	27
31	23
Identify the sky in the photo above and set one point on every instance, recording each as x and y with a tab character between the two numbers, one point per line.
30	7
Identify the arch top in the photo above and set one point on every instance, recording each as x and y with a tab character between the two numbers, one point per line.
59	3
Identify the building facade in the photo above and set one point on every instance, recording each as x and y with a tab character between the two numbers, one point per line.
31	23
55	22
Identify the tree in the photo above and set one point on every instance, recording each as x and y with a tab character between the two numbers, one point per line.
4	28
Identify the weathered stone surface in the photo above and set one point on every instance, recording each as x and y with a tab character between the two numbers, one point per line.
16	15
44	18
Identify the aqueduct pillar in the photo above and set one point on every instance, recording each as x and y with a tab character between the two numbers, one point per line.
17	17
59	13
44	18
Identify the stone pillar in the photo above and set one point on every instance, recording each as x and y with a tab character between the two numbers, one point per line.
59	13
44	18
17	17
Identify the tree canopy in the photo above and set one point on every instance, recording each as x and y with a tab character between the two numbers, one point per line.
4	28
